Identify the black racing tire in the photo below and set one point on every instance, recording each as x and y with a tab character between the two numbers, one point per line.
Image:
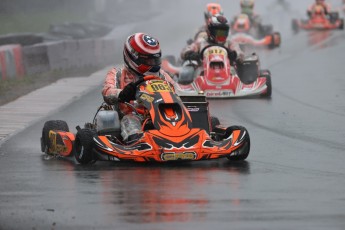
51	125
278	39
243	152
275	41
265	30
272	44
214	122
341	26
294	25
267	75
84	145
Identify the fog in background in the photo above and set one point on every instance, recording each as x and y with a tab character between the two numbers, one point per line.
177	20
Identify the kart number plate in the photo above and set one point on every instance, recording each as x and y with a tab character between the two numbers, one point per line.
215	50
178	156
159	87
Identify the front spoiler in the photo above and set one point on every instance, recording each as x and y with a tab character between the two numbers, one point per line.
235	89
319	26
150	149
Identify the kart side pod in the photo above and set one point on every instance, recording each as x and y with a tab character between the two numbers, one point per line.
187	74
248	70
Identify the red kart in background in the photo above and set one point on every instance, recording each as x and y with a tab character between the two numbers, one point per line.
318	20
217	77
245	34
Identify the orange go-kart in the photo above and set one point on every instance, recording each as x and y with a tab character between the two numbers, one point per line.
174	129
246	35
318	20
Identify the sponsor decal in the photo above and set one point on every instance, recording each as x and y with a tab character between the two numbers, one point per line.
218	94
147	98
54	146
215	50
193	109
178	156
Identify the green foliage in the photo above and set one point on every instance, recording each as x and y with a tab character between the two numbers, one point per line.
37	21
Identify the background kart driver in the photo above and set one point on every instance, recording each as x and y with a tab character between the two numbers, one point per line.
217	34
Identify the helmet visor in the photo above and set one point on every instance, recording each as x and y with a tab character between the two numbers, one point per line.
220	34
151	60
247	10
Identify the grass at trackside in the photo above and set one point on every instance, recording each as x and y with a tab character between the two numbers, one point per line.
36	22
11	89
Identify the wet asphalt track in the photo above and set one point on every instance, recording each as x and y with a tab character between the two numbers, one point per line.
292	179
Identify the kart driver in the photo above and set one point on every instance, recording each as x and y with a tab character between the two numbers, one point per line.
326	7
247	7
142	56
212	9
217	33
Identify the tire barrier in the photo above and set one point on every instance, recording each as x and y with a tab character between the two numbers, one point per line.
35	59
69	54
80	30
11	65
24	39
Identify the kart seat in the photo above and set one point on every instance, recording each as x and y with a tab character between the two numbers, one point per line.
108	123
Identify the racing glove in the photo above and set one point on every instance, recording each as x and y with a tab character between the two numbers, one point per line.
110	99
128	93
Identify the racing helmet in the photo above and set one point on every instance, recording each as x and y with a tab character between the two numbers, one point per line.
218	29
247	6
319	10
142	54
242	23
212	9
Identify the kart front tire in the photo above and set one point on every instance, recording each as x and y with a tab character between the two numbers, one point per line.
84	146
341	26
51	125
267	75
277	39
241	153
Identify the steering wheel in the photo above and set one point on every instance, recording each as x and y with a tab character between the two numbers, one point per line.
137	83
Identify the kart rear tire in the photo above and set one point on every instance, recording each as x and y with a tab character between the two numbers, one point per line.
243	151
84	146
278	39
267	75
341	26
275	40
51	125
294	25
